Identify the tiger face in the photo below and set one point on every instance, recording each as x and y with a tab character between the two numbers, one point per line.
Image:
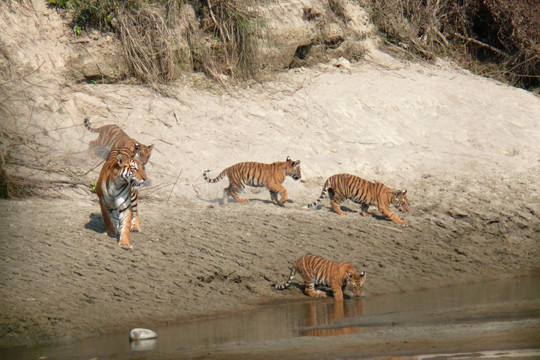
400	200
132	171
355	282
120	169
293	170
129	170
143	152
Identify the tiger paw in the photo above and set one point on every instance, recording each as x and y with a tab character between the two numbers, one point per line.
338	211
126	246
318	293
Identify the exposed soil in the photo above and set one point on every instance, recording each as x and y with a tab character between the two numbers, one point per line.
63	278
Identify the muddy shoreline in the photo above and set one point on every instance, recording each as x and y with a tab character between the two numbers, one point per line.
64	279
497	318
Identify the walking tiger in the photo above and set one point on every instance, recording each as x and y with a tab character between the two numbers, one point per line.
341	187
257	174
316	270
112	137
116	189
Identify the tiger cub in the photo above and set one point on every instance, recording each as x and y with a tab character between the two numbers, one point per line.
112	137
316	270
116	189
345	186
258	175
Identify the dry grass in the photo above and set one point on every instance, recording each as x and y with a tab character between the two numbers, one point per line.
147	44
28	167
162	40
11	185
7	138
237	31
496	38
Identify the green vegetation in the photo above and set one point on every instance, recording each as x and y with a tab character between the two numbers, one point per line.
90	13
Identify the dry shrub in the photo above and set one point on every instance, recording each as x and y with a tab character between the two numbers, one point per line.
236	31
7	138
514	27
410	24
147	42
28	166
337	8
162	39
11	185
495	35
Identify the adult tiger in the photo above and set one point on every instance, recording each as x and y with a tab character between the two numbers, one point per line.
258	175
118	180
341	187
316	270
112	137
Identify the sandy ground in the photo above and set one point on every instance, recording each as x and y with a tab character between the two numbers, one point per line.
465	147
63	278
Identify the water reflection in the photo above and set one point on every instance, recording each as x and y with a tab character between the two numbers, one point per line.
143	345
285	321
319	316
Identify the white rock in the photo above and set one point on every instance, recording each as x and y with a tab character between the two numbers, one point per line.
141	334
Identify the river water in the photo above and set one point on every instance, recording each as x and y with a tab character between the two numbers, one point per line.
489	320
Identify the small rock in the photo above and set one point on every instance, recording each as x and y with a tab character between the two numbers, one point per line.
343	63
141	334
457	213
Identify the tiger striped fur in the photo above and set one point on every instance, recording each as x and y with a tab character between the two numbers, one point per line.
257	174
341	187
316	270
112	137
116	189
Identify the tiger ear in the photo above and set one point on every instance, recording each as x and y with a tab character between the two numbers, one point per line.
400	194
362	274
137	147
288	158
120	159
296	163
